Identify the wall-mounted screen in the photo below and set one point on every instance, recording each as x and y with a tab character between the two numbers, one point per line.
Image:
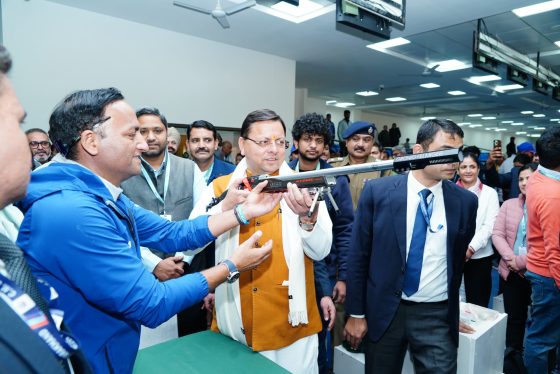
391	10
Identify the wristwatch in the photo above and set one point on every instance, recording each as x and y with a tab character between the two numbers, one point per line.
233	272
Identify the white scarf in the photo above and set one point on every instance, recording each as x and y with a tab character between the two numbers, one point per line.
228	301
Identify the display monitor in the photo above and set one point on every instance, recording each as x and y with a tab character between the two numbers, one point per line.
391	10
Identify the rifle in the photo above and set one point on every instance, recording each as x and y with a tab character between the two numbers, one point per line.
323	180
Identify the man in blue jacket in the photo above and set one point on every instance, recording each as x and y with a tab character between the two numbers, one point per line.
310	134
83	236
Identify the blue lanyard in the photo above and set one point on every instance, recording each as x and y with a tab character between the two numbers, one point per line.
61	343
427	213
523	224
165	183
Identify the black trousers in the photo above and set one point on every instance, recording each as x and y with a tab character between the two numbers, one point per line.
193	319
424	328
478	281
517	298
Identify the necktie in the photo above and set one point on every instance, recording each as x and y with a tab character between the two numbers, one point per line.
417	243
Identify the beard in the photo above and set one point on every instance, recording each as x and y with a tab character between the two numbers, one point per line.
310	158
155	152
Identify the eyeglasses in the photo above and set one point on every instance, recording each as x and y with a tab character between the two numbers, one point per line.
43	144
280	143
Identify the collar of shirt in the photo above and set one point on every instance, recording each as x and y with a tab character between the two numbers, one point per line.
415	186
549	173
113	190
161	169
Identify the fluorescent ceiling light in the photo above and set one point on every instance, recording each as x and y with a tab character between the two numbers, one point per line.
388	44
475	125
540	128
330	102
306	10
474	115
489	117
539	115
507	121
521	133
344	105
456	93
397	98
500	129
483	78
555	120
463	123
537	8
527	112
557	43
450	65
535	135
508	87
490	128
367	93
517	124
427	118
429	85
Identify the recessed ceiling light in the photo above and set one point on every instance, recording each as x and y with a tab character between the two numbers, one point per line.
490	128
539	115
388	44
521	133
450	65
456	93
507	121
427	118
397	98
537	8
517	124
483	78
527	112
330	102
463	123
474	115
508	87
535	135
487	118
555	120
306	10
501	129
429	85
557	43
540	128
344	105
475	125
367	93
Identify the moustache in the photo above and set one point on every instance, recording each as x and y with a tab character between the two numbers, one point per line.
357	149
202	150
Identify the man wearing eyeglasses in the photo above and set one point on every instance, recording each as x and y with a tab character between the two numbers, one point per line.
40	145
77	206
272	309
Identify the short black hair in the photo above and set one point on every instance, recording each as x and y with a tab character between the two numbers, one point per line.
5	60
431	127
472	156
259	116
79	111
311	123
378	145
548	148
523	158
36	129
472	149
151	111
531	165
201	124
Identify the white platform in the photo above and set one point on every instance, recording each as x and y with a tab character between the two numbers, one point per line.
479	353
164	332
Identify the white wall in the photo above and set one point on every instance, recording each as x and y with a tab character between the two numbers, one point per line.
59	49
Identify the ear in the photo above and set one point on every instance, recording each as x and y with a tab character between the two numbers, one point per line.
215	144
241	143
90	142
417	148
296	144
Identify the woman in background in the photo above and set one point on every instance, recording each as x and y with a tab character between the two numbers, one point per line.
478	268
510	239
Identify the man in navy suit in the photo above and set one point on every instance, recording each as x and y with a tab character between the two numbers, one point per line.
410	236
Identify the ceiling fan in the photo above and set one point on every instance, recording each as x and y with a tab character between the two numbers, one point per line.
220	14
428	72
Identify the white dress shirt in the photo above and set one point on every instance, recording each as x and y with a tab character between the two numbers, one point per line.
433	278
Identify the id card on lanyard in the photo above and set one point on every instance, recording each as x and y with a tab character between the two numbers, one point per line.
165	186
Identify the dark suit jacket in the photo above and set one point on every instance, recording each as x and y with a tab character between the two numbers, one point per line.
378	250
220	168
